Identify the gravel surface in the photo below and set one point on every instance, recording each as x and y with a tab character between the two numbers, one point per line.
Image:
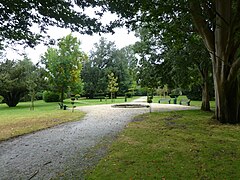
59	151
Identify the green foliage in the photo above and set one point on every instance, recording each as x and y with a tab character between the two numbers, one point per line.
112	84
128	94
49	96
216	22
176	91
64	65
104	59
141	91
1	99
19	17
195	93
13	80
39	96
162	91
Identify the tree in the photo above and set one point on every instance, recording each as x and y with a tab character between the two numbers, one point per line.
104	59
34	82
189	59
64	64
18	18
172	55
217	22
112	85
13	78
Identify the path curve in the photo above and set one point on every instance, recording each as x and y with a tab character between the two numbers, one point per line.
55	151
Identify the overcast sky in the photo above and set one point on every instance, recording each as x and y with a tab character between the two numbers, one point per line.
121	38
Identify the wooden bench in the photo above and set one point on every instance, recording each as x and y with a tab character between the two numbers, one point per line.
187	101
164	100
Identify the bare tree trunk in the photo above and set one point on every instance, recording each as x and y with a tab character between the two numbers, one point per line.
111	96
227	102
205	97
223	43
62	96
12	98
205	88
226	84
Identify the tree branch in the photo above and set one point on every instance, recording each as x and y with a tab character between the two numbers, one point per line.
234	70
202	26
236	17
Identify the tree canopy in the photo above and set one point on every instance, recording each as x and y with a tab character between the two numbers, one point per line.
217	22
64	65
26	21
13	78
105	59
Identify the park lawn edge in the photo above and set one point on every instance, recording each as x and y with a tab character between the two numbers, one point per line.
189	145
32	125
19	120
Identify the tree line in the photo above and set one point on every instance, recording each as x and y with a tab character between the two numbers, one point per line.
108	71
68	70
174	24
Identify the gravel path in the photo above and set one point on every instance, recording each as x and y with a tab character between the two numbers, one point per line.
55	152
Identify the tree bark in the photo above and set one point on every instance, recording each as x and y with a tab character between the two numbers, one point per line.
226	84
222	42
205	92
61	97
12	99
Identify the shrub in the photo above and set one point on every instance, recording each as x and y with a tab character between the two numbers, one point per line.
49	96
175	93
25	98
1	99
141	92
195	93
39	96
128	95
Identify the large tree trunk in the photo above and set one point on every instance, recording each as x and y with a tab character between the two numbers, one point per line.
205	89
223	44
205	97
225	76
12	99
227	101
61	97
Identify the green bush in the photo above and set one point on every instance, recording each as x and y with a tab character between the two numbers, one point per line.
39	96
49	96
128	95
1	99
141	92
25	98
195	93
175	93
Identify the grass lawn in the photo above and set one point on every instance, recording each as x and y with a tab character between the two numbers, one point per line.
20	120
173	145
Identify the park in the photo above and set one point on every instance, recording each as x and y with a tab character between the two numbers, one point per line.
165	107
